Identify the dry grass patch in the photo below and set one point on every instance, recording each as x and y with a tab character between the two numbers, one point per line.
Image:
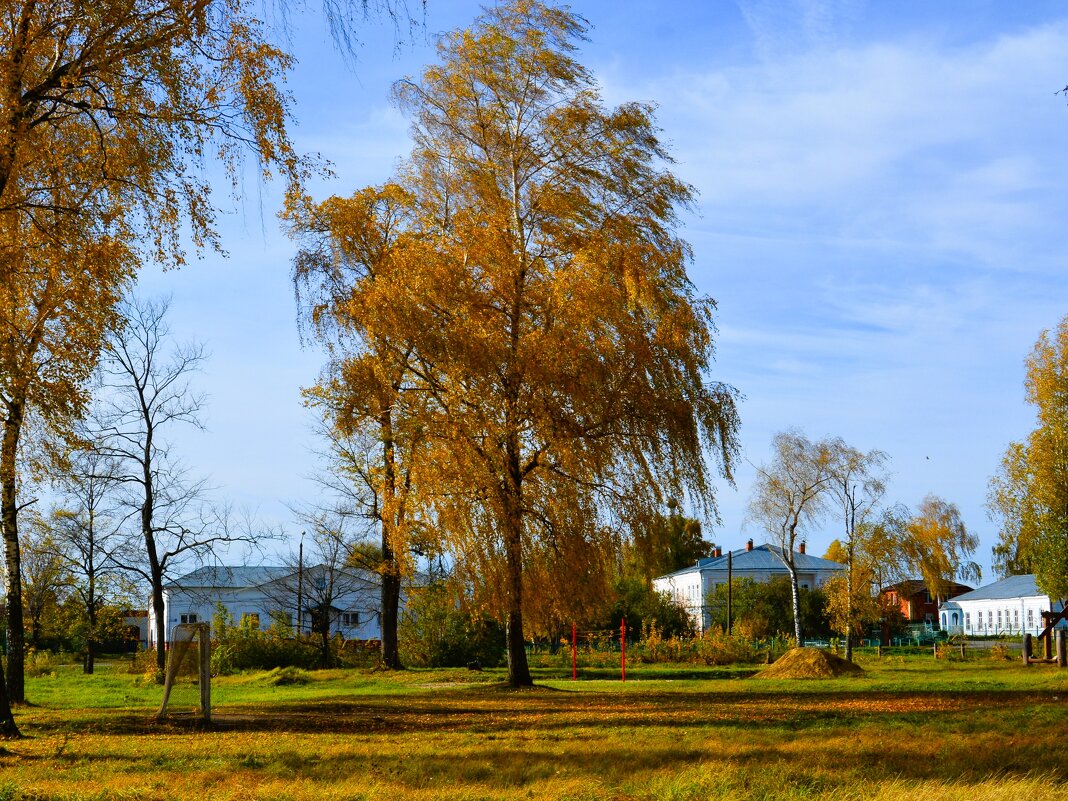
383	739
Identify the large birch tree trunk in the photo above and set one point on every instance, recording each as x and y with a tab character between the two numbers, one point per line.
518	669
16	688
795	598
390	569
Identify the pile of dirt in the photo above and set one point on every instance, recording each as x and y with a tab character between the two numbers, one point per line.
808	663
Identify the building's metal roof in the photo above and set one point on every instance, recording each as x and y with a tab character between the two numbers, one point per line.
762	557
1012	587
910	587
230	577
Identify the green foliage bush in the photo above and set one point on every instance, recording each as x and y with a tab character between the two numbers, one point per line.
434	632
714	647
640	605
764	609
245	646
44	663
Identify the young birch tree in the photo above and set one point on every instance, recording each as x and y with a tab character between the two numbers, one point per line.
789	494
857	486
88	533
558	344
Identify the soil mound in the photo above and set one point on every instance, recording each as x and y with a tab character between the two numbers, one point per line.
808	663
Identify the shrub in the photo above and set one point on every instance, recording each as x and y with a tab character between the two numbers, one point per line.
434	632
1000	652
717	647
41	663
714	647
247	647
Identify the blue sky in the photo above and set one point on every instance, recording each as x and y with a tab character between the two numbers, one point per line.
881	215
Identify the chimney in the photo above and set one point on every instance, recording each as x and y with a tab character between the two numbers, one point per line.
718	552
749	545
801	548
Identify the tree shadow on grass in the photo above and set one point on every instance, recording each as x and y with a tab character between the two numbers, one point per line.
498	741
505	709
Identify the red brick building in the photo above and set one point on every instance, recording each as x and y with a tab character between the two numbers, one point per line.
915	602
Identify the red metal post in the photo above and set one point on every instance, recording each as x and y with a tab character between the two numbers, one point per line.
574	653
623	647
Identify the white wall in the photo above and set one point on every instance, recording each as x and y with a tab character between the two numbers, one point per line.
999	616
203	603
690	589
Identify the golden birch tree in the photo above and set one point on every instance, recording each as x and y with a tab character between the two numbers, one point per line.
540	300
58	288
108	111
350	274
1029	495
937	544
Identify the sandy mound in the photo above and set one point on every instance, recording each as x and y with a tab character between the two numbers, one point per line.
808	663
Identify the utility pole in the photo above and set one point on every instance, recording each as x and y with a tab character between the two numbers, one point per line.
730	591
300	586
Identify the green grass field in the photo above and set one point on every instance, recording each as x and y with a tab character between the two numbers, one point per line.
909	728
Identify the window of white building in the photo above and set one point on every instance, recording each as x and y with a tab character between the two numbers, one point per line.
350	619
188	617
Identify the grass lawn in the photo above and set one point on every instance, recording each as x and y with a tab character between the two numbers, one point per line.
909	728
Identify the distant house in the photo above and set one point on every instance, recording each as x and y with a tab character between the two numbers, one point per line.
912	598
1013	605
349	599
135	622
690	586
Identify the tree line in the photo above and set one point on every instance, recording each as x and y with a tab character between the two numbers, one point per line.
514	341
109	112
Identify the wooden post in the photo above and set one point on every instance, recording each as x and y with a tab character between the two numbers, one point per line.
1062	652
205	672
1027	650
623	648
879	650
935	649
962	652
1047	641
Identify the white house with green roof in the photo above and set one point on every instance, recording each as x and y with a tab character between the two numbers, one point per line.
690	586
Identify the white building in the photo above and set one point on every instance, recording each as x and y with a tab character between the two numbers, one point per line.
1013	605
690	586
350	598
